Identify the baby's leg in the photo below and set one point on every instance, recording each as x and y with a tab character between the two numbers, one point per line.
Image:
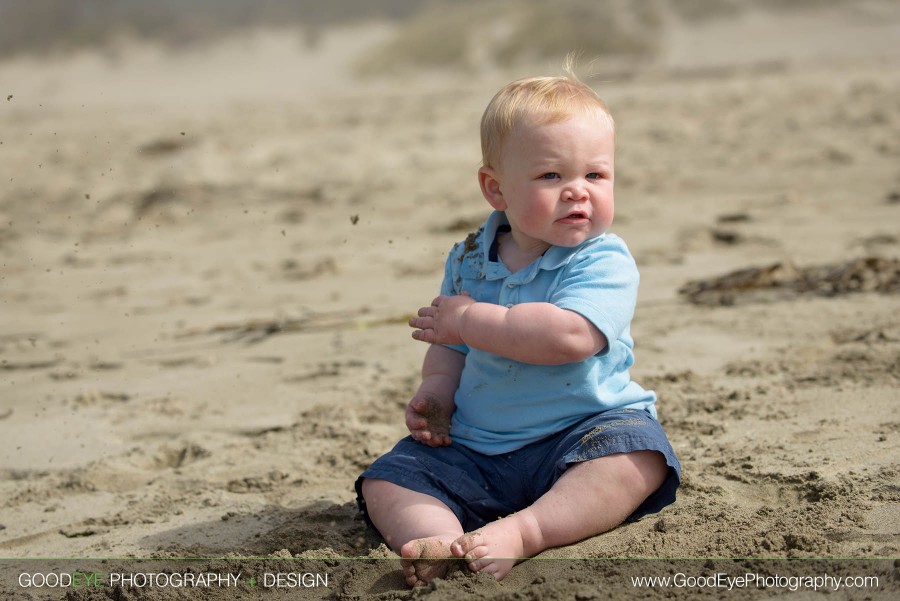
416	525
590	498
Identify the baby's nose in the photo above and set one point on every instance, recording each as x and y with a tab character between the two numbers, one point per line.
575	191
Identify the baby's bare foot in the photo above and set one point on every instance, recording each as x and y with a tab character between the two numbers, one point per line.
425	559
494	549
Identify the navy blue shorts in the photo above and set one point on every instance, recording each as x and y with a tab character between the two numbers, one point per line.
482	488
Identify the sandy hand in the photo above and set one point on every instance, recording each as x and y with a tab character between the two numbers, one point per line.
428	419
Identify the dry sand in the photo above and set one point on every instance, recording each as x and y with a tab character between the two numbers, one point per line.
207	261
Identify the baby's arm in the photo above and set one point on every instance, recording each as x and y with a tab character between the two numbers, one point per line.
538	333
428	413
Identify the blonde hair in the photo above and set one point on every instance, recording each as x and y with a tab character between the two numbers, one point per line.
536	100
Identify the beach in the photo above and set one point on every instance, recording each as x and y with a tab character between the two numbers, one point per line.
208	261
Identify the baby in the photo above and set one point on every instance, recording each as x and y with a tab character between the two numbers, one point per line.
527	431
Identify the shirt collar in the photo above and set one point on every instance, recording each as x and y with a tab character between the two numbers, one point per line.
553	258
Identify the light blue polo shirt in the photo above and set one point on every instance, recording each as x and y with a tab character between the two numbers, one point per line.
503	405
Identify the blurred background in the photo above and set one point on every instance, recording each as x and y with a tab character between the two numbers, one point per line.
470	34
212	51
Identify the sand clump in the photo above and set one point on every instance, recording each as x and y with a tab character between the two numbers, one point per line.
784	280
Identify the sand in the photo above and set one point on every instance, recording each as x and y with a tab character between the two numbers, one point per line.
207	262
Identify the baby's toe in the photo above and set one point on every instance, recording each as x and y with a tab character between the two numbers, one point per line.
409	573
466	543
479	565
476	553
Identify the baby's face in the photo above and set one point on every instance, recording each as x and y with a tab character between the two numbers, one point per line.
556	180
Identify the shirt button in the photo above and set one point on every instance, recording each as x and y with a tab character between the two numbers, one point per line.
511	285
509	305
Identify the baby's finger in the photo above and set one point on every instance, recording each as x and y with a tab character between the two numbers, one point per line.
421	323
415	418
426	311
425	437
424	335
441	440
433	441
420	406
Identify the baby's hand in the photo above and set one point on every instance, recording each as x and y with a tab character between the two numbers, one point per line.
439	323
428	419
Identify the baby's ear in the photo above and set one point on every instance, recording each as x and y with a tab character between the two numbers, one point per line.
490	188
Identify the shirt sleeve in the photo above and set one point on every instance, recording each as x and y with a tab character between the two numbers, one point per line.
451	284
600	283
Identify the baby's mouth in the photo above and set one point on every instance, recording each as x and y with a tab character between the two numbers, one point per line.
575	216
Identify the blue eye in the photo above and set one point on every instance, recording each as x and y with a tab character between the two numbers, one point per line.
551	175
594	175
